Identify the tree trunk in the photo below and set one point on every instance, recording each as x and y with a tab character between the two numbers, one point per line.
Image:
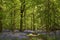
22	12
0	24
33	22
25	17
1	17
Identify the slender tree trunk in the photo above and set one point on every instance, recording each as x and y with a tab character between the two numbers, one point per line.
11	21
33	19
21	23
1	16
25	17
21	15
0	24
14	27
33	22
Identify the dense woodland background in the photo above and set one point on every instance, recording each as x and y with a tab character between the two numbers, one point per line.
30	15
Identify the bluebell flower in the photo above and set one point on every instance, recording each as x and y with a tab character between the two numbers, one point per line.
6	30
22	37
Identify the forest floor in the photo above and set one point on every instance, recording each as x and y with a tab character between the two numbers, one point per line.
23	36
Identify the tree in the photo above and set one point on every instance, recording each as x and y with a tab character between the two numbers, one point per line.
33	20
22	12
1	20
1	16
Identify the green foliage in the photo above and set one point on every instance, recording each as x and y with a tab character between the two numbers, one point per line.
37	14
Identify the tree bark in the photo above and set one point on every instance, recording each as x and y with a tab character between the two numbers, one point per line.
21	15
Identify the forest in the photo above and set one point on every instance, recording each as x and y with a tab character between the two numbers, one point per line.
30	19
